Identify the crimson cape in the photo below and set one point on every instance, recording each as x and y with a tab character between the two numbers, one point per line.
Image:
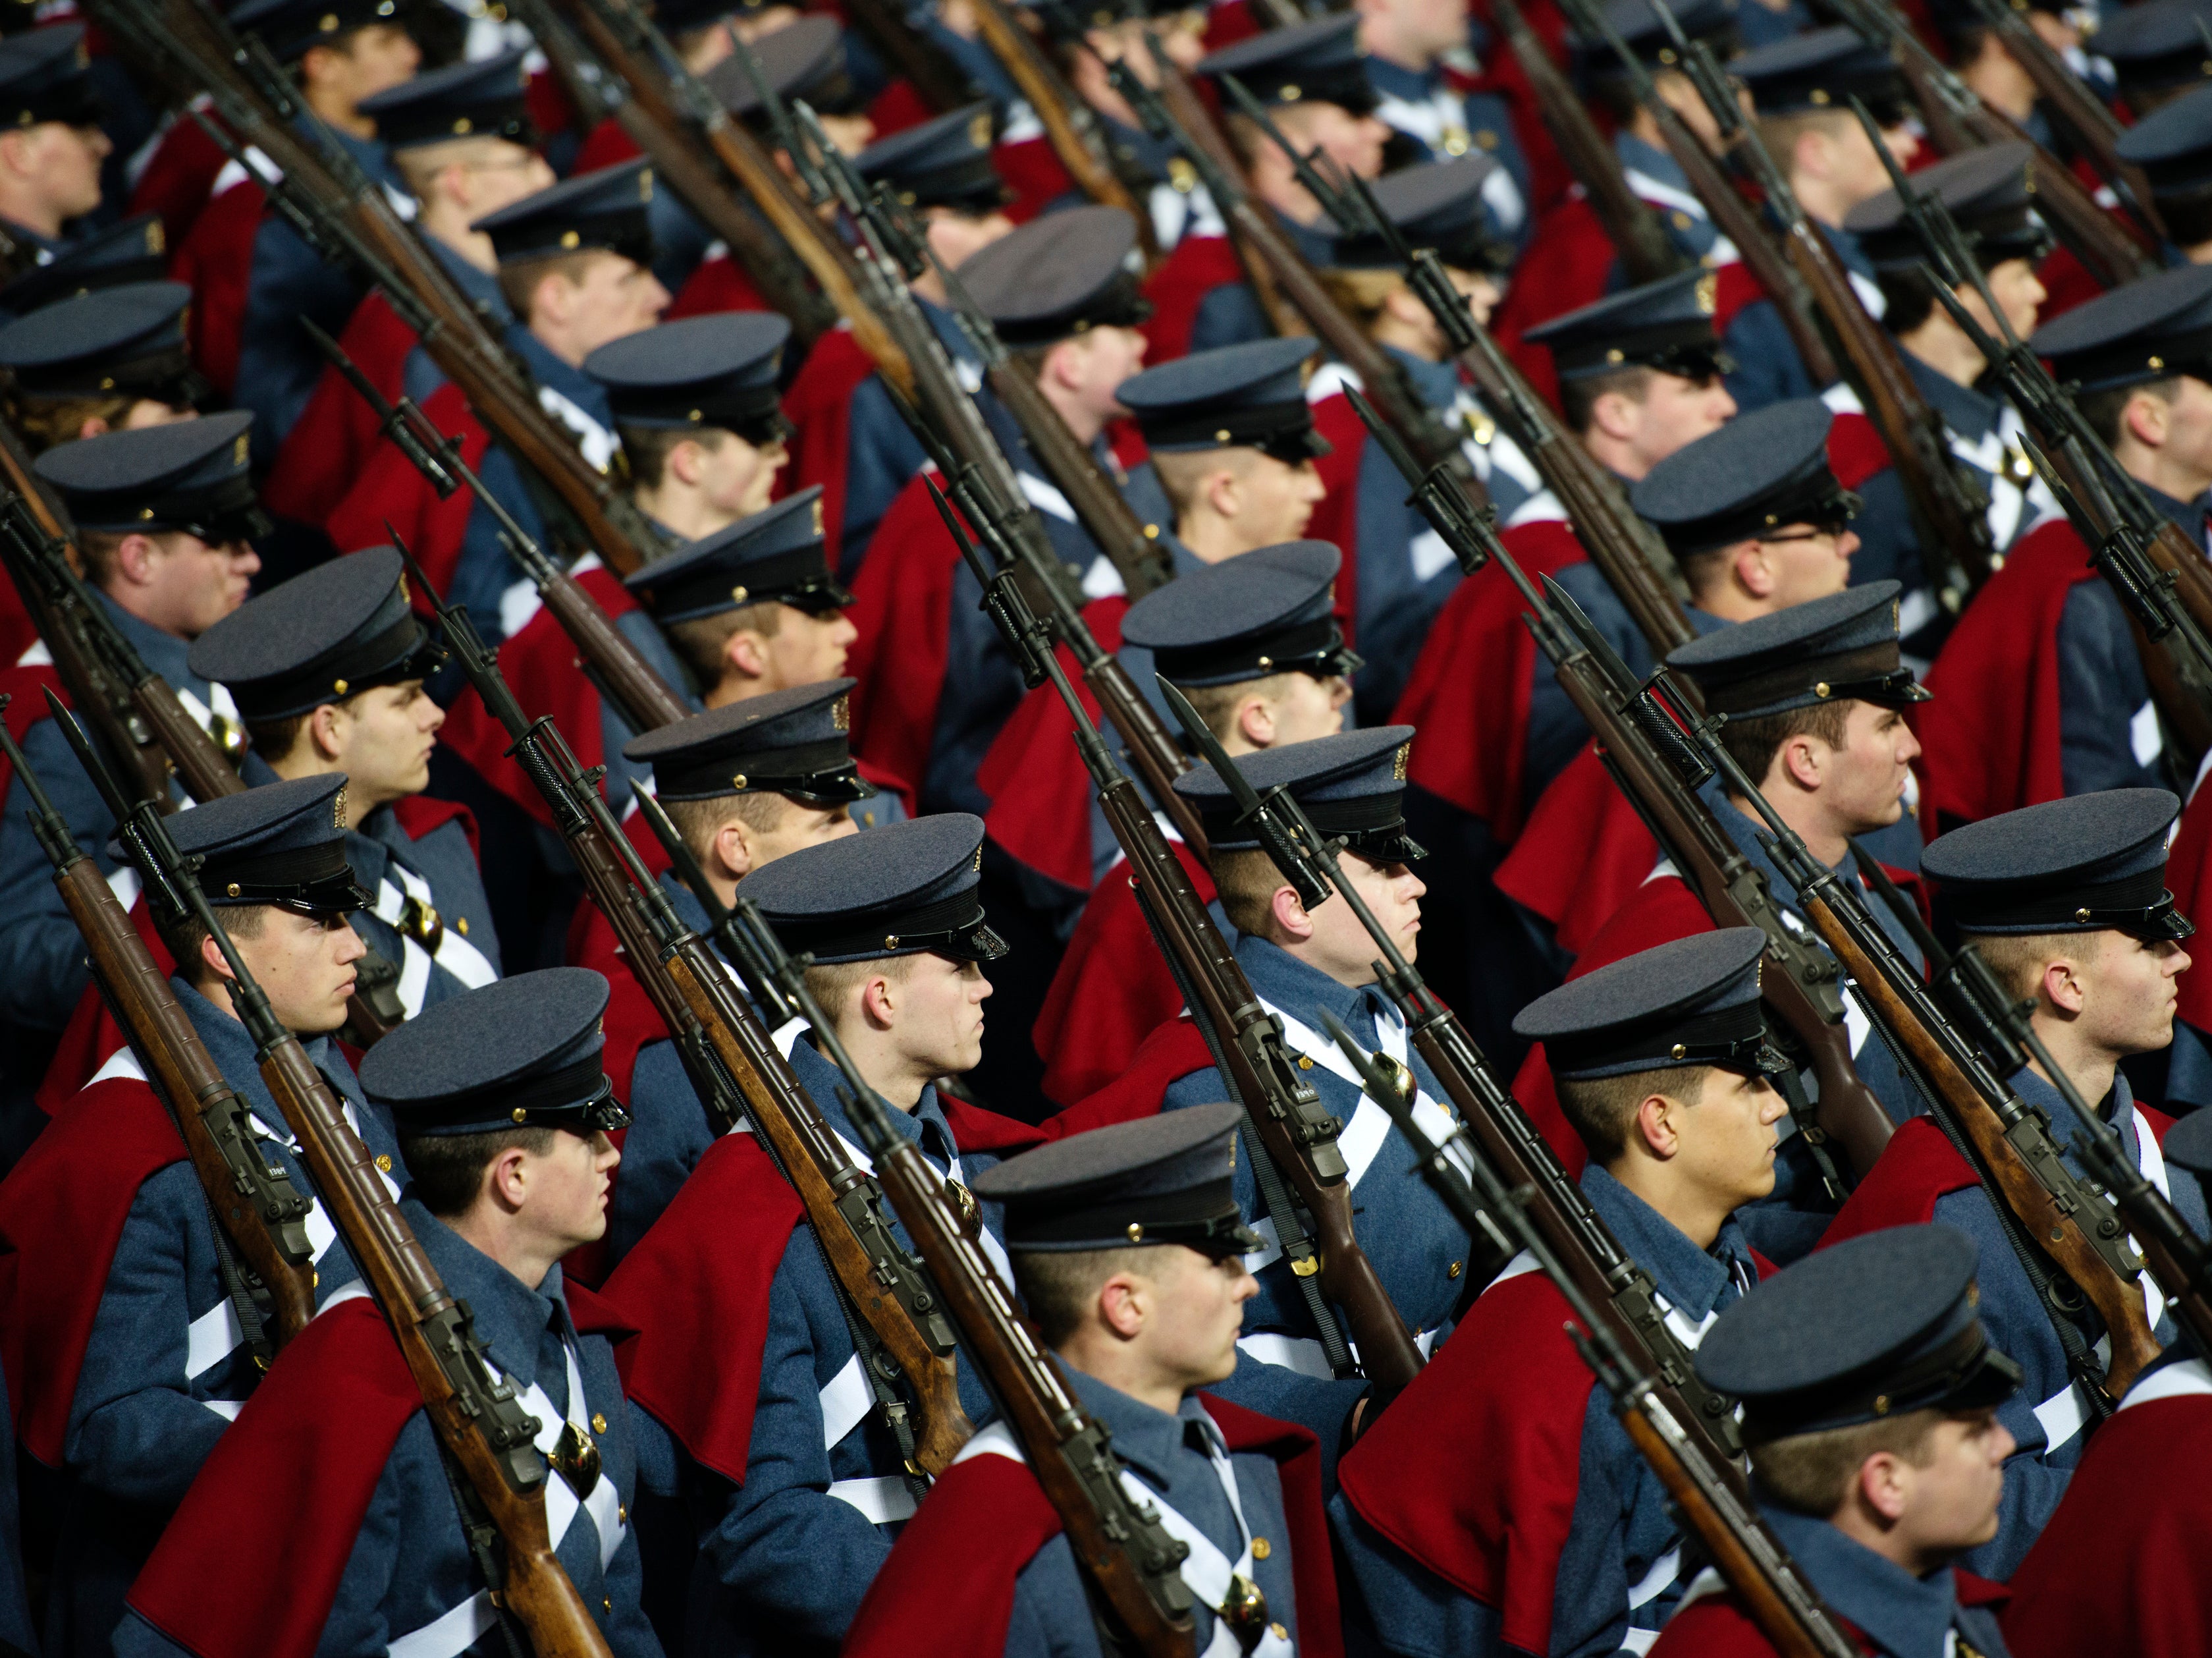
718	283
1111	989
337	431
1581	854
388	490
1718	1626
2189	876
819	405
25	687
2120	1567
216	262
1473	1469
179	176
947	1590
1198	265
1990	734
274	1512
696	1289
2066	283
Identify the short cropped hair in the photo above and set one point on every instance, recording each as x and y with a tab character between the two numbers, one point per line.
2102	409
446	1171
698	821
831	982
1059	1286
1182	471
1812	1474
1578	396
184	936
1217	704
1601	1108
703	640
645	449
518	280
1755	742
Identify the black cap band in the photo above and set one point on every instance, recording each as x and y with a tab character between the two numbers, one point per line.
1124	1222
2139	904
754	412
820	771
952	926
1875	673
1316	647
1688	350
1732	1037
1962	1374
316	879
799	578
1253	425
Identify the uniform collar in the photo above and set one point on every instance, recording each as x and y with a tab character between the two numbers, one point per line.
511	1317
1438	383
1300	990
164	653
1905	1616
1148	1440
1392	80
373	843
550	371
1653	162
2188	515
1973	414
1150	155
2118	1108
481	287
227	1044
1696	1281
925	1126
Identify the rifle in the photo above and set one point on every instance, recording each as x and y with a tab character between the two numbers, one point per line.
1631	223
1732	215
630	683
2158	576
260	1217
625	40
2180	1261
1130	1561
1626	552
1806	994
1949	510
2046	1214
480	1421
1486	1110
1787	1608
1959	120
1299	1157
1152	748
1070	125
926	65
1135	552
346	217
735	1069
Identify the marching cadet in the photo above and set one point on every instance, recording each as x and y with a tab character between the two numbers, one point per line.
164	1341
341	53
2067	903
744	784
1801	88
2117	1565
1567	1544
327	673
1140	1329
694	405
166	519
1255	645
51	142
1987	193
109	361
850	438
2129	360
1311	79
574	265
787	1451
502	1113
1570	261
1870	1397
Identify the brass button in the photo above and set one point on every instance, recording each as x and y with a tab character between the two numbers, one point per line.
1261	1550
1454	1269
598	1422
1136	1232
520	1115
461	925
1304	1064
1278	1632
1682	221
622	1513
607	1601
383	1162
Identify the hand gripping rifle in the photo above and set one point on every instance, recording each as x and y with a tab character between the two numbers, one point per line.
2158	578
2180	1261
1152	748
1957	117
1631	223
2070	1244
260	1217
1732	215
1134	549
738	1074
1300	1170
1805	993
1948	506
1485	1110
621	675
481	1424
1711	1507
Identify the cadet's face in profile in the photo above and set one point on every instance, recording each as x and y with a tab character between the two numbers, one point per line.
1307	707
1340	946
1201	1308
955	237
2189	422
1729	1137
502	174
2018	293
808	649
1868	785
68	159
2129	990
568	1185
943	1012
1953	1500
617	297
1675	412
1280	499
800	825
148	411
1807	563
1354	142
740	477
192	585
306	965
388	732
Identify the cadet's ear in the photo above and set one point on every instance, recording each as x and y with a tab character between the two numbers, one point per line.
2149	420
734	850
211	961
1656	1126
1290	914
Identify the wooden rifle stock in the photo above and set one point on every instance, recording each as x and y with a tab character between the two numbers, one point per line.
642	696
1153	748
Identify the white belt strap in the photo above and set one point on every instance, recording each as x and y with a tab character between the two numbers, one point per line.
2191	1378
1044	498
1370	1126
845	1402
1208	1571
596	442
885	1500
454	953
992	1247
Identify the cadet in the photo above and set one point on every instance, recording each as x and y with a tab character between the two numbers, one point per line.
51	142
1255	646
2154	54
1567	1544
744	784
165	521
111	1217
2117	1566
1987	193
694	405
461	139
788	1452
1870	1394
1138	1330
1570	261
327	672
131	251
2129	361
1415	54
1299	962
1801	88
110	360
2067	903
2169	148
341	53
1311	78
1404	574
503	1114
850	438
